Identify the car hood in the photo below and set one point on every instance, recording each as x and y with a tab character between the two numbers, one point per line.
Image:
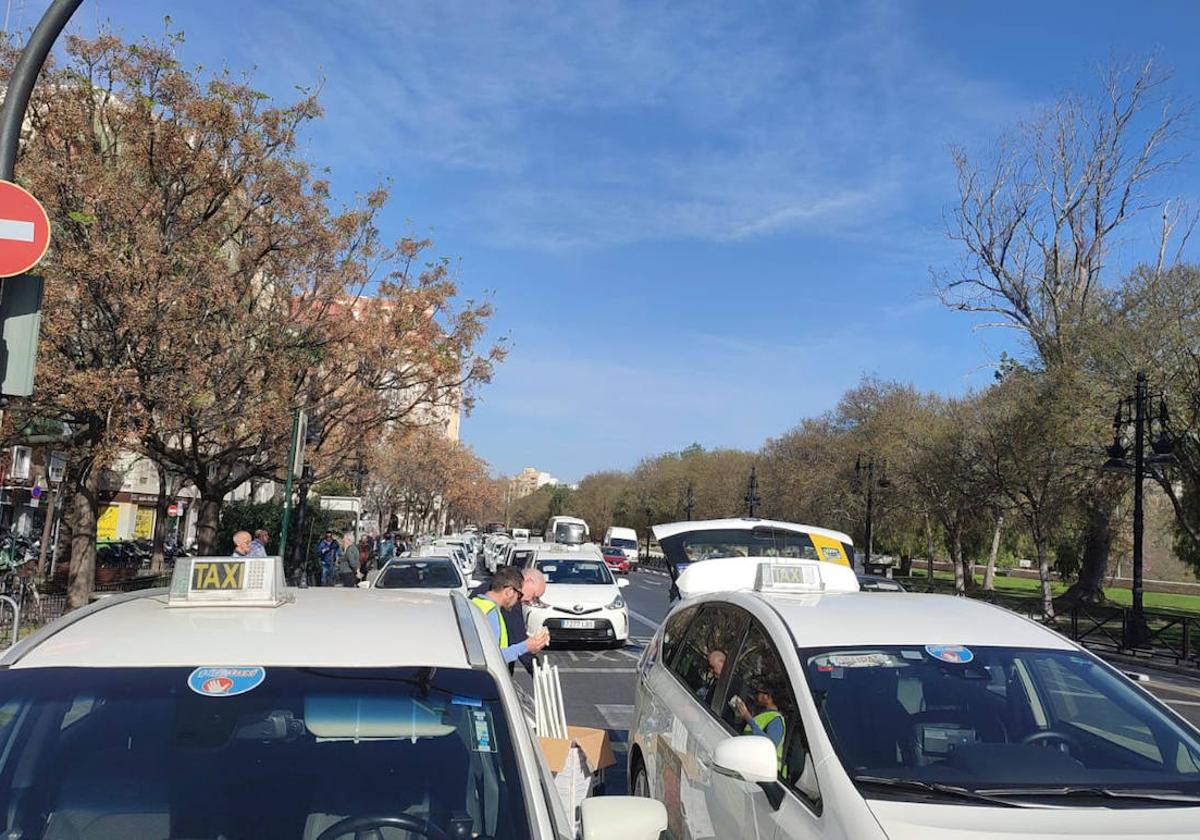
922	821
588	595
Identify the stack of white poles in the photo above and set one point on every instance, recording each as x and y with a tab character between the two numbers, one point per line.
550	718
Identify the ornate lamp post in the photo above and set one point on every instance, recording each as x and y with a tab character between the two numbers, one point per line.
752	499
864	474
1139	412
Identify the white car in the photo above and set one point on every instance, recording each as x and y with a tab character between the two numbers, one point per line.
905	717
456	549
583	601
232	706
430	574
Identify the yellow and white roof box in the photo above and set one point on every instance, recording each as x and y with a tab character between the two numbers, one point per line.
228	582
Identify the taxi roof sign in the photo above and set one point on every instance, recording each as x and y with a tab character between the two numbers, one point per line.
227	581
789	577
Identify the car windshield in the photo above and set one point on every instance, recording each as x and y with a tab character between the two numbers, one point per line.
419	574
141	753
575	571
996	719
620	543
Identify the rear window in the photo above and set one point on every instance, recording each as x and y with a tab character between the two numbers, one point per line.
623	543
575	571
419	575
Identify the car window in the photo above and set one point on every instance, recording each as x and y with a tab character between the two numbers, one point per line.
418	575
144	752
575	572
1077	704
674	632
760	680
707	648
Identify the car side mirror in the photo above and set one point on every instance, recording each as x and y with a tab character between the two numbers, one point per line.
622	583
750	758
622	818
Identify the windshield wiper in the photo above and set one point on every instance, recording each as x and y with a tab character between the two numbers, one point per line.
935	787
1148	795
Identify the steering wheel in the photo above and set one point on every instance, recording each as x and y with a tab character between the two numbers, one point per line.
1052	736
354	825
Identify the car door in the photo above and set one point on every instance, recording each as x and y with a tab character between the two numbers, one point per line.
700	803
790	808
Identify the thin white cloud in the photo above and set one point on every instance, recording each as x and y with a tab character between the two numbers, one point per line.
596	124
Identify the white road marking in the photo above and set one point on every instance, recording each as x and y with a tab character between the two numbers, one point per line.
616	715
653	625
16	230
1182	702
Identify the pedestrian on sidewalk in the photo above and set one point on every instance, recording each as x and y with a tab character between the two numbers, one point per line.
327	553
241	544
349	565
258	546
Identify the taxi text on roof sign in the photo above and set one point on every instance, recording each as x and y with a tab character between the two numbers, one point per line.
227	581
789	577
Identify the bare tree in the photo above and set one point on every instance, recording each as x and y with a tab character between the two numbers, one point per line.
1037	219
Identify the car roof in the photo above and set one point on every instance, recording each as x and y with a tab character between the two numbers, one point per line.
321	627
902	618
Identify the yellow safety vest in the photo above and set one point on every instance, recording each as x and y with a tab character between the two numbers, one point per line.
763	719
487	605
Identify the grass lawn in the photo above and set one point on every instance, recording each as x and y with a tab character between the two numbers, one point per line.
1031	588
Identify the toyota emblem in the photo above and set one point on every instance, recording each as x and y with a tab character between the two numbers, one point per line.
578	608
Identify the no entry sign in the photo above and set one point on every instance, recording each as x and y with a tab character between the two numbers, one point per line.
24	230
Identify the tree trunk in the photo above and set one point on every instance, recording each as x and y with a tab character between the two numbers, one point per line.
954	543
160	522
81	579
989	574
1043	556
208	520
1097	544
929	548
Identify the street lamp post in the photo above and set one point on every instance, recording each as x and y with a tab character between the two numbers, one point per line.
752	499
864	469
1137	411
689	506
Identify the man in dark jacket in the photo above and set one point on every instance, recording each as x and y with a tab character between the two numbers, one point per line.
533	587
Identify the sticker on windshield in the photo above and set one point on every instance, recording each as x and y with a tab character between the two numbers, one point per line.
866	659
954	654
481	725
226	682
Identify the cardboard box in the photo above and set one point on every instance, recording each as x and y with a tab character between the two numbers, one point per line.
593	742
576	762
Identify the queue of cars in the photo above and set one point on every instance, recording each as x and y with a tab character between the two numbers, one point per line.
778	699
250	710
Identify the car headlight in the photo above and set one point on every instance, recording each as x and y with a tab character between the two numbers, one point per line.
617	604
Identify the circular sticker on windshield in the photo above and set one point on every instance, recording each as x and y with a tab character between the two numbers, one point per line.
954	654
226	682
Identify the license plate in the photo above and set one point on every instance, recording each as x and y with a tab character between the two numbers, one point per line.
577	624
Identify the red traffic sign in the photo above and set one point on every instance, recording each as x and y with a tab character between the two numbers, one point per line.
173	510
24	230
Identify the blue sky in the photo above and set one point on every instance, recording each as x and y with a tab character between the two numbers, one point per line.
697	221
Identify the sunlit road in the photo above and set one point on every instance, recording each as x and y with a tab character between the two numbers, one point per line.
598	684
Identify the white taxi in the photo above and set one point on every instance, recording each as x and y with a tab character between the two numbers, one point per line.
428	573
796	706
233	707
583	601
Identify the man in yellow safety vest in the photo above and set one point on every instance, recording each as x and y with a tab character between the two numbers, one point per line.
769	722
504	593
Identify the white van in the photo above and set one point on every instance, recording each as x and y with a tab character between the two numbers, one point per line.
520	534
625	539
566	530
